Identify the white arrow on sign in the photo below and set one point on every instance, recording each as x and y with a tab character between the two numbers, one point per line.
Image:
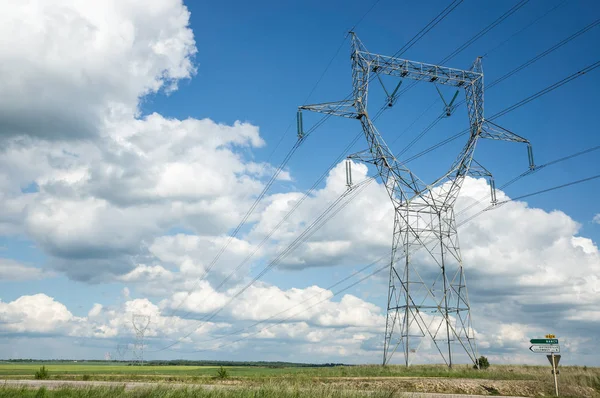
545	348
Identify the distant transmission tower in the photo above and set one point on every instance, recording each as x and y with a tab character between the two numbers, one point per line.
121	351
140	325
427	298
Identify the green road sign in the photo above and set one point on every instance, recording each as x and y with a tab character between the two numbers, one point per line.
543	341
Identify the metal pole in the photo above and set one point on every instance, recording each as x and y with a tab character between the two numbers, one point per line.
445	290
555	376
407	296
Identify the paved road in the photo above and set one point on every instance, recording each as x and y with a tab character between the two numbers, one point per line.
51	384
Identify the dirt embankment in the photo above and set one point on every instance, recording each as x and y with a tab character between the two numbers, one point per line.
527	388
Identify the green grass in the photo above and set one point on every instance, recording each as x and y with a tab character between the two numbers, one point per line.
498	379
104	371
80	369
163	392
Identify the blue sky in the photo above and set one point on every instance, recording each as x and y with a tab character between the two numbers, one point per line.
113	180
263	76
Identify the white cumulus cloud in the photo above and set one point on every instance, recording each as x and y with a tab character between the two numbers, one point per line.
11	270
75	65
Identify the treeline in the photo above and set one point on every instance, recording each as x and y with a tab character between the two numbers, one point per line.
58	360
262	364
182	362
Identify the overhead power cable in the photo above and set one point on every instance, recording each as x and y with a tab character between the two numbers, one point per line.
473	39
530	24
311	92
278	170
240	225
518	105
491	207
506	76
421	135
550	189
364	278
333	209
448	140
386	266
336	284
457	51
436	20
321	217
511	108
372	178
485	30
556	85
480	34
539	56
417	37
537	95
544	53
529	172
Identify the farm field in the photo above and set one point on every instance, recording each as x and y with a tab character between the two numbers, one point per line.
530	381
166	392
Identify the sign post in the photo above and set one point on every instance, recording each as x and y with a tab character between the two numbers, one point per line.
549	345
554	360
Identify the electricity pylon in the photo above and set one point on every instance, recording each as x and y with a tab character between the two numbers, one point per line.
427	297
140	325
121	351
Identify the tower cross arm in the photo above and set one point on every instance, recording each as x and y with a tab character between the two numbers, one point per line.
418	70
343	108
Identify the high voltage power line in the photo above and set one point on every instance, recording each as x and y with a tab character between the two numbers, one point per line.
473	39
531	194
460	224
285	162
277	171
499	80
495	82
530	172
363	278
315	225
363	184
432	24
530	24
419	35
512	10
336	53
544	53
336	284
484	31
513	107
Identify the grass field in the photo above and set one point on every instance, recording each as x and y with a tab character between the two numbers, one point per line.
24	370
497	380
163	392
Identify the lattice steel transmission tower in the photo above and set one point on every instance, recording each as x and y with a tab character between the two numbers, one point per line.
427	297
121	351
140	325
